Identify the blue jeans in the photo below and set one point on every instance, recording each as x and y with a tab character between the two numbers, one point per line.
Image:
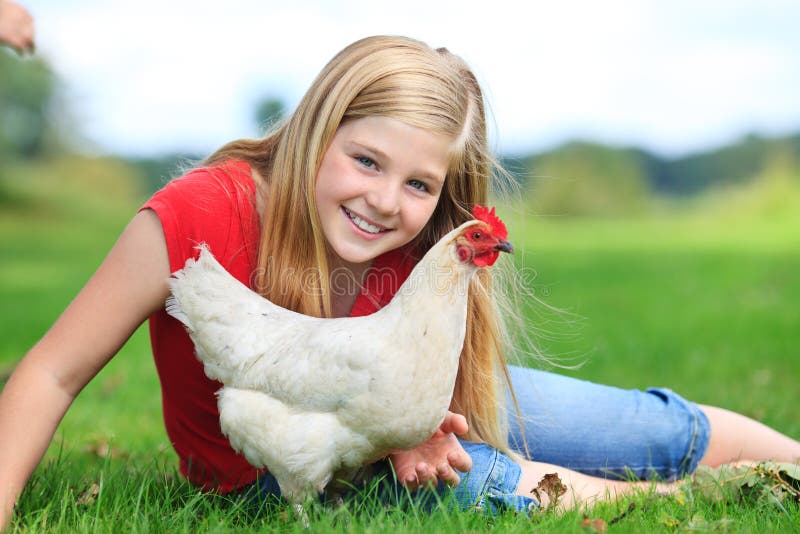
598	430
606	431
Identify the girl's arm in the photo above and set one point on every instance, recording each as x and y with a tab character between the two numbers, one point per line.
127	288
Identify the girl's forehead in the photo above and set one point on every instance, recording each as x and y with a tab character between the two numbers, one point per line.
379	127
418	121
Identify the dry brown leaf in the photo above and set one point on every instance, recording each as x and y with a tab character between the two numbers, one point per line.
596	525
765	481
102	448
551	486
89	495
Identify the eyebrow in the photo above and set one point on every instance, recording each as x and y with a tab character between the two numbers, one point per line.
381	154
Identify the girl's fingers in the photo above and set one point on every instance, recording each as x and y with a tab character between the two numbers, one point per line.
425	475
454	424
460	460
447	475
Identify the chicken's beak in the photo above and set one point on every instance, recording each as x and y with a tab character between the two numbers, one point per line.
504	246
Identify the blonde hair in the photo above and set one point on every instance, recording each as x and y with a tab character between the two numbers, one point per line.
407	80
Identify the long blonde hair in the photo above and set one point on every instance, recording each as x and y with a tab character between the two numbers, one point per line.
404	79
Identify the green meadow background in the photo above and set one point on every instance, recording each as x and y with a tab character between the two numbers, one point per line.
630	270
700	296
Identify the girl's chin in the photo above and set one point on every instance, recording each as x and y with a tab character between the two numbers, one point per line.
354	258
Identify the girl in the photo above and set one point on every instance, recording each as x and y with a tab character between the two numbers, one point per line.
384	154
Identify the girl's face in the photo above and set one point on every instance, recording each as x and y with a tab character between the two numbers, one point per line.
378	185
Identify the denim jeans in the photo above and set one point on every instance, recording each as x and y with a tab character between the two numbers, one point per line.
606	431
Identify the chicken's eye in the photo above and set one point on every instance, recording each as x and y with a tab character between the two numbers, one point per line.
476	235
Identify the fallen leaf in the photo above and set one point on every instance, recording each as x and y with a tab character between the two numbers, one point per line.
552	486
599	525
765	481
595	525
722	483
88	496
781	480
102	448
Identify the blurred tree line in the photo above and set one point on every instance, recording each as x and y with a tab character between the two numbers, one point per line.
584	178
28	92
578	178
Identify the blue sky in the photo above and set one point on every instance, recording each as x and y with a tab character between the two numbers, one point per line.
149	76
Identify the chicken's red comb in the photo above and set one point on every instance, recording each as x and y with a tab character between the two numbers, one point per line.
487	215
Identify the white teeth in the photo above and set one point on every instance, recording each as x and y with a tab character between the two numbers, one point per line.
361	223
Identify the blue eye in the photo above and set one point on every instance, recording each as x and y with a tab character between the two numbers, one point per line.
366	162
418	185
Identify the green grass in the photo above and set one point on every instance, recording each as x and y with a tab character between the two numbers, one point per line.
702	301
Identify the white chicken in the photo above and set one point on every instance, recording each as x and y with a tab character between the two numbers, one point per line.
309	397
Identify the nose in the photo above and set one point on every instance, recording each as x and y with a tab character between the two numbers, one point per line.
384	197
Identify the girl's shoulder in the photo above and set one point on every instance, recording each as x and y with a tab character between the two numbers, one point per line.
213	205
217	183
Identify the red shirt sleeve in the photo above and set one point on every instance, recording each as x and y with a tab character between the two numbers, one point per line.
213	206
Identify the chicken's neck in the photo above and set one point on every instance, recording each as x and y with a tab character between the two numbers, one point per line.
435	293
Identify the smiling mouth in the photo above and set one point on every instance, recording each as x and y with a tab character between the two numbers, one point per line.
364	225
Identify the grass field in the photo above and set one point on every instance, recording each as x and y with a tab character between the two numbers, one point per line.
702	301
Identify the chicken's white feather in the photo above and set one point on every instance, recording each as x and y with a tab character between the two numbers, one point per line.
307	397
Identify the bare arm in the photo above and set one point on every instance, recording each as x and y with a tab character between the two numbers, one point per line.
129	286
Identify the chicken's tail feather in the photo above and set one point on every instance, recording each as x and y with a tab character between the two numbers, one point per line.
198	281
173	304
173	308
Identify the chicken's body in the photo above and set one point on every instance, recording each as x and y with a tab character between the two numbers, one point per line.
307	397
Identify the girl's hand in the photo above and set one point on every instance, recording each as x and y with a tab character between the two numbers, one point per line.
435	459
16	26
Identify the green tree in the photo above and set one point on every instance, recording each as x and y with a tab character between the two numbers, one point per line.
28	89
269	111
587	179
